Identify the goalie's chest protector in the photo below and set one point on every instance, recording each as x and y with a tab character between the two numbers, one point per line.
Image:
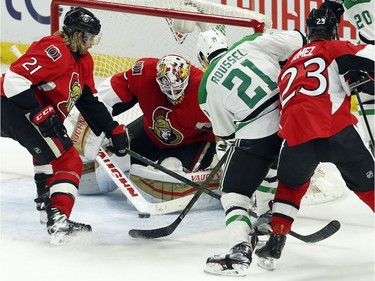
59	77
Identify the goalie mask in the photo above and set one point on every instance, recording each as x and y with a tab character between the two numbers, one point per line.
210	44
80	19
172	75
321	22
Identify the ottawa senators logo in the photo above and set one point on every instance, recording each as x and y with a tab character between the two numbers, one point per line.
53	52
162	128
137	68
75	93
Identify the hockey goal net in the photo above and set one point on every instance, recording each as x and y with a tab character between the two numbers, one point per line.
133	29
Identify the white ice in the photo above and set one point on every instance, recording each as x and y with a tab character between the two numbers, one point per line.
26	254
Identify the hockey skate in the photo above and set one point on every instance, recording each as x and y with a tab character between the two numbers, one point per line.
236	262
62	229
268	254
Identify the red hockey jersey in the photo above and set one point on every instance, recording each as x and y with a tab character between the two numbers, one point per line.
59	77
167	125
314	93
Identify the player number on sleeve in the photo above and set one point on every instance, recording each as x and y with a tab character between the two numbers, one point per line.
32	66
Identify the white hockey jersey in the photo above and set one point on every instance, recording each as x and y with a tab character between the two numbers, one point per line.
239	92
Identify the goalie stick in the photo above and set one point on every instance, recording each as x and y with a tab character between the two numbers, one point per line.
327	231
132	193
167	230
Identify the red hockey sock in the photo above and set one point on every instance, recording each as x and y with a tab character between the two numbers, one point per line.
286	205
63	202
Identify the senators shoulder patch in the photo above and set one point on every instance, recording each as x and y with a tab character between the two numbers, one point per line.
53	52
137	68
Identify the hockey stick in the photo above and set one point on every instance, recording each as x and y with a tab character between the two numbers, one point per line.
173	174
130	190
353	89
167	230
364	115
325	232
356	84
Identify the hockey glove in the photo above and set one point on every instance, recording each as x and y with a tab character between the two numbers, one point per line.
119	139
335	6
49	124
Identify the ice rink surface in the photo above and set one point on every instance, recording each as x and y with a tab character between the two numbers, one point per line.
110	254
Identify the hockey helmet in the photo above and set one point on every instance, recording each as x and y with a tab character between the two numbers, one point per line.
172	75
80	19
210	44
321	21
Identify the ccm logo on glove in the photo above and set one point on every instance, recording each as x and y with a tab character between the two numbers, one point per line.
49	124
43	114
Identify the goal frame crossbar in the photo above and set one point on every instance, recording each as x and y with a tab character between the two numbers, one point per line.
152	11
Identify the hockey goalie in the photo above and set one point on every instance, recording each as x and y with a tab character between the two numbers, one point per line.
172	131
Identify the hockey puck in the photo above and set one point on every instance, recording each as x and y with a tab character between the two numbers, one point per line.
144	215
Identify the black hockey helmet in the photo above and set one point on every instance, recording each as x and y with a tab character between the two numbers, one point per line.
80	19
321	21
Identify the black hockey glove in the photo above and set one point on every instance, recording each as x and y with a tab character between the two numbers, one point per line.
48	122
119	139
335	6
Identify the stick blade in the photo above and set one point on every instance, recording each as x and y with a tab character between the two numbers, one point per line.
154	233
327	231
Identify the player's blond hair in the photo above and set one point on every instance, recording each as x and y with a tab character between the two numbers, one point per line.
74	42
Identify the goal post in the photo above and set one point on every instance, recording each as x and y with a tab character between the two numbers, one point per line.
170	9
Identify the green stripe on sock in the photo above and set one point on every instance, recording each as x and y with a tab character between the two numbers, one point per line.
239	218
266	189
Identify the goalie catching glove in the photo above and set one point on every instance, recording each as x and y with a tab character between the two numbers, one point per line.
48	122
119	139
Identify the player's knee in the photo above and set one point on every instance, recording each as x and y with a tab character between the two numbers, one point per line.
68	166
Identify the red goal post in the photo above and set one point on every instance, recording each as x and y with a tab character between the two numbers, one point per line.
134	7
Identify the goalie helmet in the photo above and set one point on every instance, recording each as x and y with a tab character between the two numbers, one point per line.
210	44
172	75
80	19
321	22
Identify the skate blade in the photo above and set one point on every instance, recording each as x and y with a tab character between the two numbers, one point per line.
217	269
81	238
267	263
